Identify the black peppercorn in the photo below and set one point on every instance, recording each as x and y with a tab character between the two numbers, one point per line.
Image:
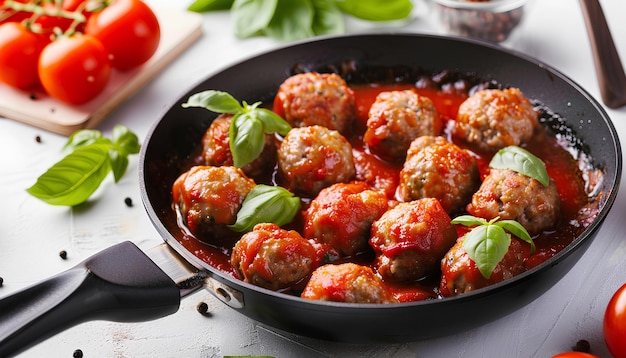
129	202
77	354
38	139
582	346
1	281
203	309
63	254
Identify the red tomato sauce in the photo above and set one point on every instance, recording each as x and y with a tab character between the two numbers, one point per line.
576	210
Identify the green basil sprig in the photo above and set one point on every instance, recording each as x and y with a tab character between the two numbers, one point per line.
522	161
290	20
266	204
248	127
487	243
90	157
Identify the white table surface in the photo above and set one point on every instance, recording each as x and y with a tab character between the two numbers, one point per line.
33	233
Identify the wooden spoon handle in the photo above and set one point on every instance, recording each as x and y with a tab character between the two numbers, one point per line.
609	69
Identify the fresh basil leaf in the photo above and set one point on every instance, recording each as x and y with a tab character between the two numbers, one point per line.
468	220
272	123
246	138
376	10
518	230
266	204
125	141
486	245
522	161
81	138
72	180
210	5
251	17
119	163
215	101
328	19
292	20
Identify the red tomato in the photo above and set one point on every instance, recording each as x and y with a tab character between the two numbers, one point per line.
128	29
614	326
19	52
74	69
574	355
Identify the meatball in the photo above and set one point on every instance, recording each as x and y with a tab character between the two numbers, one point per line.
395	119
275	258
312	158
459	273
342	215
492	119
316	99
436	168
411	238
209	198
347	282
216	148
513	196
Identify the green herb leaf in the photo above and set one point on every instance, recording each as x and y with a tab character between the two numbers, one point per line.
272	122
252	17
215	101
72	180
292	20
522	161
328	19
486	245
518	230
376	10
210	5
246	138
266	204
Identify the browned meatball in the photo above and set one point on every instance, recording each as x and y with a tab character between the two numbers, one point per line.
216	148
275	258
395	119
513	196
492	119
342	215
314	157
459	273
410	239
210	197
316	99
436	168
347	282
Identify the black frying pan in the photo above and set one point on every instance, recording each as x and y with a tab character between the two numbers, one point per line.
176	135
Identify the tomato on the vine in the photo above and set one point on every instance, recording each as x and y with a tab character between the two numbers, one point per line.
19	53
10	15
74	69
574	354
128	29
614	325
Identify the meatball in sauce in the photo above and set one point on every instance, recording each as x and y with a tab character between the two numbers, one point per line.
492	119
275	258
316	99
314	157
347	282
510	195
342	216
411	238
436	168
396	118
208	198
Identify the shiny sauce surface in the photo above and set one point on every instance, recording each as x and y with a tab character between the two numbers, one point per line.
577	209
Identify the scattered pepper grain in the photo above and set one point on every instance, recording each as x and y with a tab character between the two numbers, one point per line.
77	354
582	346
129	202
63	254
38	138
203	309
1	281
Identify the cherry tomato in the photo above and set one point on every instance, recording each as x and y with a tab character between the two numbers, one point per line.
574	355
128	29
74	69
19	53
614	325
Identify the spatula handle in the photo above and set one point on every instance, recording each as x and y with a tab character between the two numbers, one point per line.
118	284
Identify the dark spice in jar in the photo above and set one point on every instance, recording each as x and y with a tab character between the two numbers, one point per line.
484	25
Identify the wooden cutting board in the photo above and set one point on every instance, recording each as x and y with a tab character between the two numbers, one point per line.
179	29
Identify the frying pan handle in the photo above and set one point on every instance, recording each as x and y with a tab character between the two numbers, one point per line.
120	284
